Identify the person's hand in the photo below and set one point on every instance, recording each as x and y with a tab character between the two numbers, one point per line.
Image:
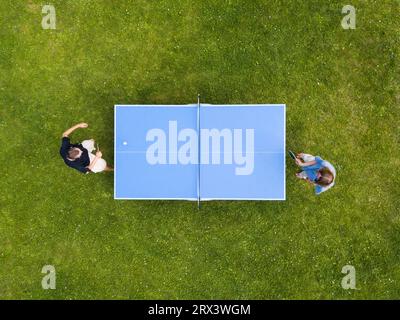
99	154
298	162
83	125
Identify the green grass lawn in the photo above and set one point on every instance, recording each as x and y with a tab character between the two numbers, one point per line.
342	90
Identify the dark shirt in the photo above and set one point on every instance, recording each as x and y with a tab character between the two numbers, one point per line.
80	163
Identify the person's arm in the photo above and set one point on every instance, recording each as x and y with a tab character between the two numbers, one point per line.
72	129
305	164
92	164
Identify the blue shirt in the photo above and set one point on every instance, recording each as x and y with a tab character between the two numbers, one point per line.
312	172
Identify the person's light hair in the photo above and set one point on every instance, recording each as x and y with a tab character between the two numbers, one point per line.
326	177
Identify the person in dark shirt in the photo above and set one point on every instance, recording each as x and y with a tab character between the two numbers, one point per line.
78	157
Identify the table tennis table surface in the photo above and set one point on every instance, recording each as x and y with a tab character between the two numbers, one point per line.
135	178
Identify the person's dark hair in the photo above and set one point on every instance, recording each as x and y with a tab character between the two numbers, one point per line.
73	153
326	177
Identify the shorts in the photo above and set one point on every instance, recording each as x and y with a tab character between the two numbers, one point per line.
100	164
306	158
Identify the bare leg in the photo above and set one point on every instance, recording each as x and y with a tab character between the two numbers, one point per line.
301	175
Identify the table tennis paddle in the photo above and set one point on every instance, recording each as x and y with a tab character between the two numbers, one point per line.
292	155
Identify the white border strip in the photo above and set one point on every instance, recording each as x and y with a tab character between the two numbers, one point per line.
188	199
155	105
194	105
244	199
284	152
115	152
198	152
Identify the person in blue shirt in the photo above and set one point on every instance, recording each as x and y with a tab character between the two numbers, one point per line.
317	171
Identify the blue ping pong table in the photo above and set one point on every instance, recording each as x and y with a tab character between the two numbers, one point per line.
199	152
